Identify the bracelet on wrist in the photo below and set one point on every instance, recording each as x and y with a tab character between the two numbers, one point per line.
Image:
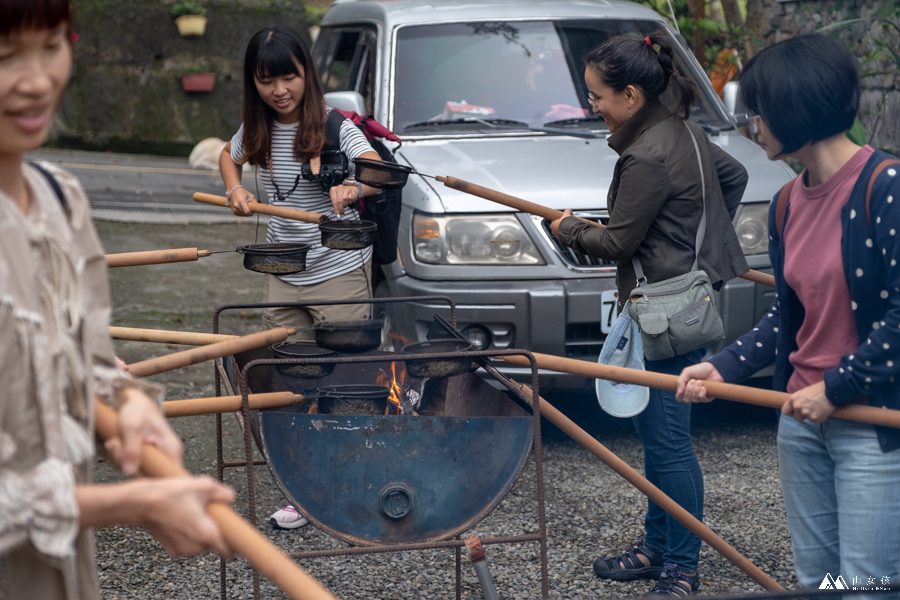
231	191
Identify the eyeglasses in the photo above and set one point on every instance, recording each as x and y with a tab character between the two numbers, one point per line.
592	99
753	123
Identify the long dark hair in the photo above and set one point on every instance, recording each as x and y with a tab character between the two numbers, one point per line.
271	53
22	15
646	63
805	88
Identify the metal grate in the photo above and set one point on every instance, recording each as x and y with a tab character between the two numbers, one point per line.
584	341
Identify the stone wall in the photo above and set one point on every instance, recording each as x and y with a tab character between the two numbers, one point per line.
125	93
861	25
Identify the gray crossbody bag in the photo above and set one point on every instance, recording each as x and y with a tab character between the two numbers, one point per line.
679	314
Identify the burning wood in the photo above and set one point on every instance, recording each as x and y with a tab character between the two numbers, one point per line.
401	401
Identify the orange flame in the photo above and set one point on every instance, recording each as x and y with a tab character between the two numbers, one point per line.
395	384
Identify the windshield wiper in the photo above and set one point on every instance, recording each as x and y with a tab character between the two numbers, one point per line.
576	120
495	123
467	121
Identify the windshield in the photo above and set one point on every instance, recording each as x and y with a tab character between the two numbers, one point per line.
466	75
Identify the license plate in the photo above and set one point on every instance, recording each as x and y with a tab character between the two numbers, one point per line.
609	302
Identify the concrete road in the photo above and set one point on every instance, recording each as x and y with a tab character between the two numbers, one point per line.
145	188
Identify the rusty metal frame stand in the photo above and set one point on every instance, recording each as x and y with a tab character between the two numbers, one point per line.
457	544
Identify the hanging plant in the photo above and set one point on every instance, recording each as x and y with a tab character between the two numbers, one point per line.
190	18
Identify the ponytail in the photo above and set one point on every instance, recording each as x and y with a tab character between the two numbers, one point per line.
647	64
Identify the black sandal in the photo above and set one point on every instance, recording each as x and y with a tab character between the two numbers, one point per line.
673	582
628	566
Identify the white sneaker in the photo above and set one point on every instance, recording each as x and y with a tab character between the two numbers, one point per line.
287	518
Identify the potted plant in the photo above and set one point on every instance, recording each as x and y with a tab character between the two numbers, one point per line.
200	77
190	17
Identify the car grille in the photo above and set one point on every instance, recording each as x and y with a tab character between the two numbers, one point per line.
574	258
584	341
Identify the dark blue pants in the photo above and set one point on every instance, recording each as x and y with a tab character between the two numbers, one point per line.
671	465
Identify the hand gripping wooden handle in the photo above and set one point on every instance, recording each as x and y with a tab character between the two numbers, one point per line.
265	209
221	404
552	214
240	536
164	336
154	257
727	391
193	356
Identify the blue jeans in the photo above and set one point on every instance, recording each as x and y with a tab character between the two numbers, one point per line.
671	465
842	494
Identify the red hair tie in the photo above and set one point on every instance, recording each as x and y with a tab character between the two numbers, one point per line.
649	43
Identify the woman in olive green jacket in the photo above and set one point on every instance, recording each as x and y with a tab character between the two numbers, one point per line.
655	206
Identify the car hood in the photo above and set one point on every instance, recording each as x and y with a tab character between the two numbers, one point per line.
559	172
555	171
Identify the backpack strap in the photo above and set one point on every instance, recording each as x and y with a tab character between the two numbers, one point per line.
333	131
781	205
57	189
881	167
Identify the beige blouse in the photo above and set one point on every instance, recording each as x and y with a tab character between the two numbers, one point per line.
55	357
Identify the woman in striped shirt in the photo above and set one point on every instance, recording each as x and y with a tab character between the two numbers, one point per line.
283	131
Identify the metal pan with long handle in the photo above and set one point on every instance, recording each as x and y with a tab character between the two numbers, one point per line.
165	336
873	415
265	209
154	257
222	404
552	214
160	364
392	176
240	536
337	235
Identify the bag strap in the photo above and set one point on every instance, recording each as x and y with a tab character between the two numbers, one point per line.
784	194
781	205
701	228
881	167
54	184
333	131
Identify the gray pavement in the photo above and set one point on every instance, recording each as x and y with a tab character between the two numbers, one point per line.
143	188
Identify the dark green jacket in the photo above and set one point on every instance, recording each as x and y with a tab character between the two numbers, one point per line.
654	203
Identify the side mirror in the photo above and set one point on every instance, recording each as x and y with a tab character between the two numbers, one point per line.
349	101
733	106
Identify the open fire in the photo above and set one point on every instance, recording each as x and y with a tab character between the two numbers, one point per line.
401	401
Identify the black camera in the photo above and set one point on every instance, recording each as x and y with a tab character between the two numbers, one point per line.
334	169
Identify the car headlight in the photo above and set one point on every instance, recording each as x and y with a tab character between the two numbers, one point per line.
473	240
752	228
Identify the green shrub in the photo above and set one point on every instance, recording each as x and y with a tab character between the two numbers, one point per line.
187	7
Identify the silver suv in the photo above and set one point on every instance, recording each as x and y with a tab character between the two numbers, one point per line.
492	92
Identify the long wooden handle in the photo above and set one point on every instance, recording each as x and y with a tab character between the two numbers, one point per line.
728	391
164	336
193	356
221	404
266	209
240	536
551	214
642	484
154	257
